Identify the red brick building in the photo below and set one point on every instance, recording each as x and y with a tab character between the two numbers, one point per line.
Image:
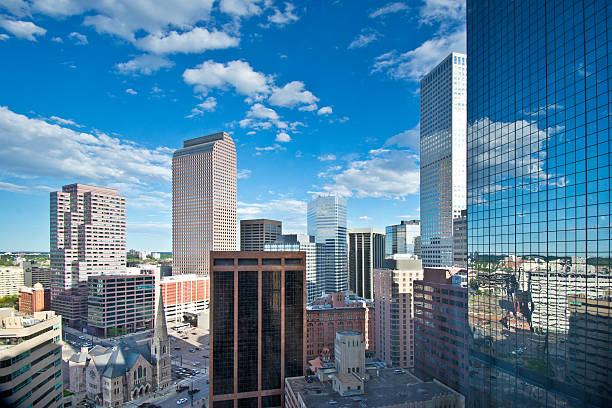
337	312
34	299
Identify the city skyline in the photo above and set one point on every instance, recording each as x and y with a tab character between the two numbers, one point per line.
137	114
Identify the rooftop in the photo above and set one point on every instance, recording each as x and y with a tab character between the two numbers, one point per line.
388	389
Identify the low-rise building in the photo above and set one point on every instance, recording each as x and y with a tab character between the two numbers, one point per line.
336	312
34	299
184	294
30	359
11	279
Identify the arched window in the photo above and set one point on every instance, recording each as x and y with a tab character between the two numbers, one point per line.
134	375
144	371
164	350
140	372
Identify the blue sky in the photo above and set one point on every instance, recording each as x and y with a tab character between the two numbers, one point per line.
320	96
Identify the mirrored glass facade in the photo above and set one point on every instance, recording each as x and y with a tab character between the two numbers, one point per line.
538	145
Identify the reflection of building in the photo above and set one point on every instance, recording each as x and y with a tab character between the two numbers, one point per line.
590	361
257	326
403	238
203	201
30	359
34	299
315	261
11	279
393	295
443	152
336	312
254	234
184	294
460	240
441	327
327	223
366	251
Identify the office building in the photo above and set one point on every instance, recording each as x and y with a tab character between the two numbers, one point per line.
403	238
120	304
203	202
315	261
334	313
34	273
366	251
254	234
443	157
11	279
30	359
393	305
538	200
441	332
87	239
34	299
460	240
184	294
327	223
257	326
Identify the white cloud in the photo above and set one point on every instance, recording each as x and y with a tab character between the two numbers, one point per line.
16	188
63	121
4	37
197	40
57	39
327	157
326	110
259	111
283	18
251	132
414	64
240	8
365	38
389	9
131	91
209	105
236	74
262	117
366	218
283	137
22	29
243	173
78	38
442	11
292	94
408	138
308	108
272	148
144	64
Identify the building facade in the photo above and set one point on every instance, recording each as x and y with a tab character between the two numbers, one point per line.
315	260
87	239
34	299
441	331
184	294
30	359
538	200
393	305
120	304
460	240
327	223
336	312
203	202
34	273
11	279
443	157
254	234
366	251
403	238
257	326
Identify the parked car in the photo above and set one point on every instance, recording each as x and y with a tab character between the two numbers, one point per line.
199	349
181	401
193	391
181	388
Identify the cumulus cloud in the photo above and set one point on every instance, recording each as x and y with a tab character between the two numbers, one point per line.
131	91
283	137
283	18
327	157
78	38
290	210
365	38
197	40
22	29
209	105
272	148
238	75
240	8
243	173
366	218
408	138
326	110
434	11
292	94
144	64
262	117
390	8
66	122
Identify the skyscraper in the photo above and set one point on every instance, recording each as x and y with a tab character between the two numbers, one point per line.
403	238
539	202
87	239
257	326
327	223
366	251
443	152
255	233
203	201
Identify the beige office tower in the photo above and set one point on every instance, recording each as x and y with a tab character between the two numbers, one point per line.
203	202
87	238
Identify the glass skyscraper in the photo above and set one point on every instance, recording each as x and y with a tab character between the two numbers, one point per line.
403	238
538	145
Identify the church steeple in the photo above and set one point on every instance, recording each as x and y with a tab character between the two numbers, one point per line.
161	329
160	347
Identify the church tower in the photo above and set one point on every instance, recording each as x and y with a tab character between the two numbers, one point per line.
160	348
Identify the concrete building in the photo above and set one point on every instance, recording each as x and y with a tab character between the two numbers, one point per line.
327	223
184	294
334	313
11	279
30	359
315	260
254	234
34	299
393	304
203	202
443	157
87	239
441	330
460	256
257	324
34	273
366	251
120	304
403	238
